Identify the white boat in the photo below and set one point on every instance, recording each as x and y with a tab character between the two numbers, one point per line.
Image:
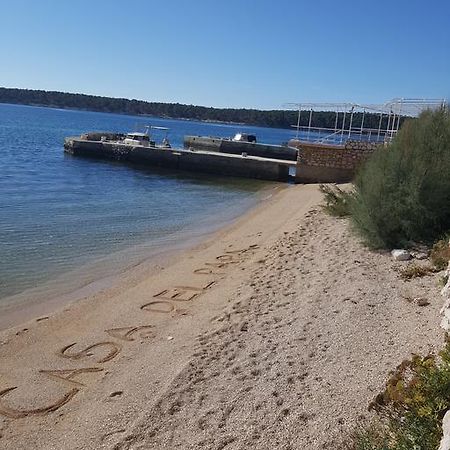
244	137
145	139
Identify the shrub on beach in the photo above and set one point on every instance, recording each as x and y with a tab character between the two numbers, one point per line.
409	412
337	201
440	253
402	193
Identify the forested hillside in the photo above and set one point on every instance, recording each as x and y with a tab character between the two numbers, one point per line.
272	118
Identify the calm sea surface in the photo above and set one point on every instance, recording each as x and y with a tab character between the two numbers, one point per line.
60	213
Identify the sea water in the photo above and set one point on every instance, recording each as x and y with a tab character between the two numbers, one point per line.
60	213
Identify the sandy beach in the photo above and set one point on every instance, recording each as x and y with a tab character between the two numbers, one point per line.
274	333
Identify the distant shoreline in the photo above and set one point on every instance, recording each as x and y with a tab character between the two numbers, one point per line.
66	108
178	111
277	118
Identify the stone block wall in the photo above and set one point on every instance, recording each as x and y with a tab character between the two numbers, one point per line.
325	163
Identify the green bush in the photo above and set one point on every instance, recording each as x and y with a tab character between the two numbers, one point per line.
409	411
402	193
337	201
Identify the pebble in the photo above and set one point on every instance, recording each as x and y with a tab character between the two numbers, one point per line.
422	301
116	393
401	255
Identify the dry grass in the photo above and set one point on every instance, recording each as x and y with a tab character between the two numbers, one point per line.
415	270
336	200
440	254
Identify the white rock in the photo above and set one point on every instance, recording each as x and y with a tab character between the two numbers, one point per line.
445	323
446	289
401	255
445	441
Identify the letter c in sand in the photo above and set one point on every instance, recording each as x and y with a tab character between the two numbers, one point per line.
20	413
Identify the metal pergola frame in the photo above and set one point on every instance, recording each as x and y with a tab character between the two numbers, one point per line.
393	110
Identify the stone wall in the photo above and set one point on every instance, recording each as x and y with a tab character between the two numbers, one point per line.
326	163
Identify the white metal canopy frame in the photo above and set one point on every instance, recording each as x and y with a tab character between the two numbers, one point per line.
390	115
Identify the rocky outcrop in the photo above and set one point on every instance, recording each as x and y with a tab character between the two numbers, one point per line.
445	324
445	311
445	441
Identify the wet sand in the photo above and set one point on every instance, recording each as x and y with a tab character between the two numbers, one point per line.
116	270
274	333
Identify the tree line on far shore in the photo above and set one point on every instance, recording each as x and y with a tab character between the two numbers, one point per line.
266	118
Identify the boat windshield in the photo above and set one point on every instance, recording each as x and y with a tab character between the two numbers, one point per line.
138	136
244	137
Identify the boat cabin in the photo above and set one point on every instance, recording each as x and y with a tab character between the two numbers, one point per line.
244	137
137	139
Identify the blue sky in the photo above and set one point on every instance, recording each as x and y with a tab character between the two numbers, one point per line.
231	53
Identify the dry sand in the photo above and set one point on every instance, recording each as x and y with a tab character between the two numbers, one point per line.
274	334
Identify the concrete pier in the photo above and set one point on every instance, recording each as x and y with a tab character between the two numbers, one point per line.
211	162
238	147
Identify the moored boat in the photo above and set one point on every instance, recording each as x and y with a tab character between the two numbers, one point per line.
140	148
241	143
